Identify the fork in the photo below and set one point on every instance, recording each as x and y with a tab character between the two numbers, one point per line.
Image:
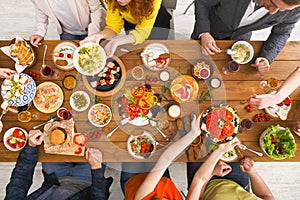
251	150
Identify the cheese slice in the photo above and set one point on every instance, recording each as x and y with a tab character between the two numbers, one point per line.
282	113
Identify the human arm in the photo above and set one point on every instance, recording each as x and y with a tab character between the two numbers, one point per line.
166	159
6	72
100	185
21	178
97	16
208	169
258	185
266	100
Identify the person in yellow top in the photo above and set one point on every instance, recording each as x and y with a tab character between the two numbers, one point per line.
137	17
211	181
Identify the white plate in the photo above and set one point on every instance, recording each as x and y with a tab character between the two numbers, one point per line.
231	158
66	48
250	48
28	92
156	49
132	137
72	103
90	114
96	69
261	142
8	133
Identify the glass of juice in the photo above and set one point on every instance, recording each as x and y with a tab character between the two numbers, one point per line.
231	66
25	116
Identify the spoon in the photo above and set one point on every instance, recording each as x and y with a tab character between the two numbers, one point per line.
121	123
153	124
44	57
229	51
246	148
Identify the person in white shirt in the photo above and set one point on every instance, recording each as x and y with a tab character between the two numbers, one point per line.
74	19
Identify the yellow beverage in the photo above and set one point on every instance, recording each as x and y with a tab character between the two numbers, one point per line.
24	116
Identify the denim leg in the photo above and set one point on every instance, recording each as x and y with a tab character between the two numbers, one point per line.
131	169
69	36
82	171
61	169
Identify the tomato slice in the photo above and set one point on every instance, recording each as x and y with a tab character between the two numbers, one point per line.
229	116
80	139
287	101
78	151
227	130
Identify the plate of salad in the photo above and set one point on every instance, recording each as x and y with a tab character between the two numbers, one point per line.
278	143
141	146
139	104
15	138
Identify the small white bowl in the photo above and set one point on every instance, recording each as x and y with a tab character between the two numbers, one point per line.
249	47
91	113
132	137
10	132
72	103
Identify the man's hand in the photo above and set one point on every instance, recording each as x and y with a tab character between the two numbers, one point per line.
35	137
93	38
5	72
247	165
221	169
94	157
35	40
208	43
261	64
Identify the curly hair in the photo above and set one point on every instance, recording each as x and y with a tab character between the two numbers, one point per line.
292	2
137	8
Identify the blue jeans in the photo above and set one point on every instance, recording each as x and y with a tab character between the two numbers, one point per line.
81	170
131	169
235	175
69	36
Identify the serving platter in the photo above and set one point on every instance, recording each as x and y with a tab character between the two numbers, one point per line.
184	89
63	55
92	82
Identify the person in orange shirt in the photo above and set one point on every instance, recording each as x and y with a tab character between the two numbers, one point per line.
153	185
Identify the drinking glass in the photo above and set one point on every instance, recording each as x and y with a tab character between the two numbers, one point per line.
246	124
26	116
48	71
231	66
270	83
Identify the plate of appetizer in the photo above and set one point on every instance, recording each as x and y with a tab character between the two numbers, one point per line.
202	70
229	156
156	57
99	115
17	90
244	52
109	80
48	98
220	123
139	103
80	101
278	143
184	89
141	146
15	138
63	55
281	109
89	59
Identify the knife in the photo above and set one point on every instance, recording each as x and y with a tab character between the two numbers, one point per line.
50	120
121	123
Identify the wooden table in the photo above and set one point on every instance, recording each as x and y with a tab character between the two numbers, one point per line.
236	87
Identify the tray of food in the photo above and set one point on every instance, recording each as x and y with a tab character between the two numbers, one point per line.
48	98
63	55
141	146
17	90
202	70
244	52
278	143
220	123
281	109
59	138
89	59
109	80
184	89
156	57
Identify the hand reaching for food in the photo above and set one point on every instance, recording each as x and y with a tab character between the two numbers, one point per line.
35	40
35	137
209	45
5	72
94	157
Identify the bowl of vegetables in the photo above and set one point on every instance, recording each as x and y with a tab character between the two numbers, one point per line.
278	143
15	138
141	146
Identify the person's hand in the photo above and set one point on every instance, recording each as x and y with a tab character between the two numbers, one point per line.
5	72
111	47
247	165
228	145
92	38
221	169
208	43
94	157
263	100
35	40
1	126
35	137
195	125
262	64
